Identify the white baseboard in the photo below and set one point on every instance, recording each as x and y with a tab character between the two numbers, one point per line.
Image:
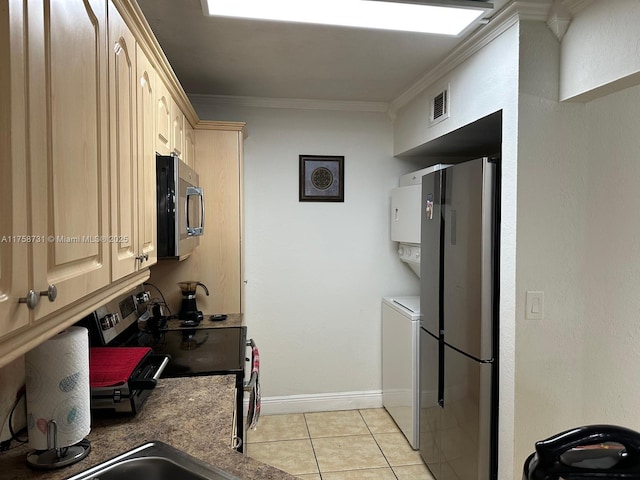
320	402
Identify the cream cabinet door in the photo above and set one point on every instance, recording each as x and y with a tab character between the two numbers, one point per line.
189	145
221	256
123	148
14	235
147	209
164	124
177	134
68	139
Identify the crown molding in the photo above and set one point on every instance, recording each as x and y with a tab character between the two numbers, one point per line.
498	24
576	6
559	19
292	103
217	125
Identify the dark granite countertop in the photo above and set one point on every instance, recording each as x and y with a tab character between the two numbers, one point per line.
192	414
232	320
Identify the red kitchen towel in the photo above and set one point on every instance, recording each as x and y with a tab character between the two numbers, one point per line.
255	355
109	366
255	396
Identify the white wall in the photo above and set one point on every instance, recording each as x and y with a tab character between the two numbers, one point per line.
612	262
601	50
485	83
316	272
551	242
578	232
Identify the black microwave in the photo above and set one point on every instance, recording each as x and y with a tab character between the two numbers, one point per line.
180	207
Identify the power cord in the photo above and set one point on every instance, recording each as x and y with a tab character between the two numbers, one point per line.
160	292
6	445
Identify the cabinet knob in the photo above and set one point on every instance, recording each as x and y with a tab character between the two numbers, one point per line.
143	257
51	293
31	299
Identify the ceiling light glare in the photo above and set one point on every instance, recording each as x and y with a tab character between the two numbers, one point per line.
352	13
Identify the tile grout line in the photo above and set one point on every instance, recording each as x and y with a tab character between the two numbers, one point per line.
313	448
379	447
309	437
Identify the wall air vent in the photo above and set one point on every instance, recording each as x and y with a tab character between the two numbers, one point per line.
439	107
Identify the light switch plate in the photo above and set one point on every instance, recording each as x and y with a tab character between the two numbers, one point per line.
534	306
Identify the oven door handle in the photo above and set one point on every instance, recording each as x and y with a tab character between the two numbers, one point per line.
164	363
150	383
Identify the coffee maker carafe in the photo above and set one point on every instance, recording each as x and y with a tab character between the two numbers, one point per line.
189	313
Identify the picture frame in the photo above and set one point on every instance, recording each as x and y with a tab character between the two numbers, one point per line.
321	178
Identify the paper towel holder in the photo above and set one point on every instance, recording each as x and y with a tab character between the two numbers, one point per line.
55	456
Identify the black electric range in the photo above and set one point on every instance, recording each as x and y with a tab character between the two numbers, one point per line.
212	347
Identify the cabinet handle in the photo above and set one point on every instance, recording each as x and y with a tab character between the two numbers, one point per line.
31	299
51	293
143	257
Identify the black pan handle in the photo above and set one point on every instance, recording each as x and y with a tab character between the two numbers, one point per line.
549	450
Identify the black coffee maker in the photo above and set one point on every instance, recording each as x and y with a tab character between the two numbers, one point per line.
597	452
189	313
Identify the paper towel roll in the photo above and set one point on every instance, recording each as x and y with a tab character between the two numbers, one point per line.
57	378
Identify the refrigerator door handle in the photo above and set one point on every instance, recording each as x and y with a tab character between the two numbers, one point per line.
441	371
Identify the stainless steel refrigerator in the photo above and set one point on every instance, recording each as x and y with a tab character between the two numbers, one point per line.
459	320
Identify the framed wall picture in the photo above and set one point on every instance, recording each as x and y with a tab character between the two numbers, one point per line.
321	178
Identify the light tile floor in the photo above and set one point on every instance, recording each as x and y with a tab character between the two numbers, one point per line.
344	445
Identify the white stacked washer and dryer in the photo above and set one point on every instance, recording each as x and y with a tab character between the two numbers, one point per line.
401	314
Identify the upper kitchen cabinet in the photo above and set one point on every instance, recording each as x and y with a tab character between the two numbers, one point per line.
189	145
177	130
219	159
170	123
68	127
147	203
14	281
132	155
123	147
88	98
164	121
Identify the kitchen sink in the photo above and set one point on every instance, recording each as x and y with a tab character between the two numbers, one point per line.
154	460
